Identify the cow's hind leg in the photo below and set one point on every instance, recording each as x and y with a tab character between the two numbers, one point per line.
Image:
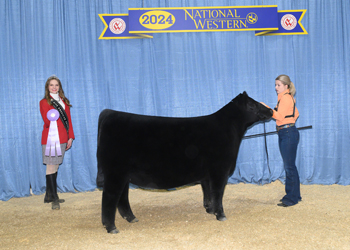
112	191
109	206
124	208
206	196
99	178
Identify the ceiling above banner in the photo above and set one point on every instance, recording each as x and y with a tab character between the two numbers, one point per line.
142	22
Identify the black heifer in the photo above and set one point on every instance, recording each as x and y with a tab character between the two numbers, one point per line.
163	153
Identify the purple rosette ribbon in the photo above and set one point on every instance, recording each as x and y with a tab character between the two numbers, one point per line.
53	140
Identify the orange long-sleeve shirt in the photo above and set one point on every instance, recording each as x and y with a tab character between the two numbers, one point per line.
285	108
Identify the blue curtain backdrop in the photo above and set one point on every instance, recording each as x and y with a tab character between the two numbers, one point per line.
174	74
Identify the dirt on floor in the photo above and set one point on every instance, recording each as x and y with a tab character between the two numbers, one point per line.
177	220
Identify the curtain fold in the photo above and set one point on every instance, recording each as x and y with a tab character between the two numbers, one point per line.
173	74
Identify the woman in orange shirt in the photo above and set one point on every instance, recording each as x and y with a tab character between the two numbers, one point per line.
286	114
57	135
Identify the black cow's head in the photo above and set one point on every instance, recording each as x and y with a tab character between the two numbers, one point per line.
253	110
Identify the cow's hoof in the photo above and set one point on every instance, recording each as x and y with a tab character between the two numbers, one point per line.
113	231
134	220
221	218
131	220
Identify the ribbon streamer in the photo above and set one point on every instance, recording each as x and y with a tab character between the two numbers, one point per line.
53	140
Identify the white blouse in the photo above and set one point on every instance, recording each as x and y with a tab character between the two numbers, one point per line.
59	99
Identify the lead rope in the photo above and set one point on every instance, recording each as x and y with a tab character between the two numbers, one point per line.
267	154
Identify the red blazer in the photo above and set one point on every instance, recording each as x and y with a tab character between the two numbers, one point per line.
44	108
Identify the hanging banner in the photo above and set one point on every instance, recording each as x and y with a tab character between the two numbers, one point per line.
264	20
203	19
117	27
289	23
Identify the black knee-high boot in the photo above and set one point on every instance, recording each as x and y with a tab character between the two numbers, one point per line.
59	200
51	194
51	191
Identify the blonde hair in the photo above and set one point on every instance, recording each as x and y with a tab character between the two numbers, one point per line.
60	92
286	81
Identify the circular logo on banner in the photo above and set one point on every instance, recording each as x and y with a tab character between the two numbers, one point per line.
117	26
288	22
252	18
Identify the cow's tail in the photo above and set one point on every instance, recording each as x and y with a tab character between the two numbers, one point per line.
100	176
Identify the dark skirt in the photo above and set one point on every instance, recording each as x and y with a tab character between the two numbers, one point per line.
54	160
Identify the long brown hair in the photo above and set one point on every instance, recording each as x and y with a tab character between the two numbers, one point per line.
60	92
286	81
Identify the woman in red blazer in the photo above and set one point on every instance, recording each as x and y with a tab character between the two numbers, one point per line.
54	91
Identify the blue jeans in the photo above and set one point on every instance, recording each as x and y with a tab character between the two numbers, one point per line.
288	139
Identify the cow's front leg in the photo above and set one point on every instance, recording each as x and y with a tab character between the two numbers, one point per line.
124	206
217	192
218	208
207	196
